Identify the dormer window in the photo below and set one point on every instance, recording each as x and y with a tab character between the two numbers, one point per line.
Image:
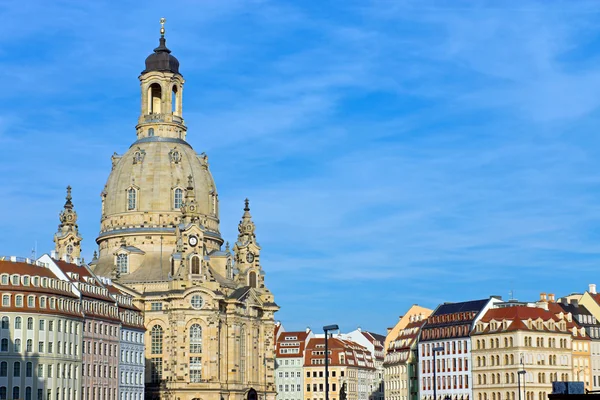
15	280
44	282
36	281
131	199
122	264
26	280
177	198
5	279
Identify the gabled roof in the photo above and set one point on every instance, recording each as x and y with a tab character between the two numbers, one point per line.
465	306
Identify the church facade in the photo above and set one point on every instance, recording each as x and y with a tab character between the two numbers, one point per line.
208	315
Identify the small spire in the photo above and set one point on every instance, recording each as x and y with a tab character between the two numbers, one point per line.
162	27
226	246
68	203
190	182
247	203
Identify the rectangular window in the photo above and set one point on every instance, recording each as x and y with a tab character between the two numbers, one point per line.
19	301
40	370
42	324
50	326
156	369
30	301
5	300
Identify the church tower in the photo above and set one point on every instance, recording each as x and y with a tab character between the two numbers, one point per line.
67	240
208	314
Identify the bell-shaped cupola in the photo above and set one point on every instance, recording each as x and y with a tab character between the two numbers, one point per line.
162	90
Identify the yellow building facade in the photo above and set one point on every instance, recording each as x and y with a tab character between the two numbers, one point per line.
519	348
209	316
400	364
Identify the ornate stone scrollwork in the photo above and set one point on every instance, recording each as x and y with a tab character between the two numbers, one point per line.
138	156
175	156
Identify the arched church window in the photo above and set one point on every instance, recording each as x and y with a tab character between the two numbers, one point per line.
131	199
252	279
156	336
122	264
195	339
150	132
195	265
178	198
154	99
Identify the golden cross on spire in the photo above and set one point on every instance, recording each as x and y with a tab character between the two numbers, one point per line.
162	27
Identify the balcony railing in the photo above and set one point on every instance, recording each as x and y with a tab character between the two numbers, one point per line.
163	118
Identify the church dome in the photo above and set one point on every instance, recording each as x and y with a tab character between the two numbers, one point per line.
161	59
155	167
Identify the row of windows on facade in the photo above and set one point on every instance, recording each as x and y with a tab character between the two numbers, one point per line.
527	342
451	347
132	357
44	302
286	361
540	359
135	337
36	281
64	348
315	387
97	348
443	366
195	339
69	326
195	369
298	374
495	378
99	371
447	382
65	370
132	378
195	269
539	325
446	332
529	395
16	393
319	374
102	329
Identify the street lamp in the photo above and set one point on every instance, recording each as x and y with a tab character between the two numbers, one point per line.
326	329
519	373
435	350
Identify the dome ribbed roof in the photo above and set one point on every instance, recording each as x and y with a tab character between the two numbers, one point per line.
161	59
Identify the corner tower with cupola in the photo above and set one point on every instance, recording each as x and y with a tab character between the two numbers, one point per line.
208	314
67	239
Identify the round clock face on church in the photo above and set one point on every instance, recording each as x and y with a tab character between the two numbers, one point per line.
193	241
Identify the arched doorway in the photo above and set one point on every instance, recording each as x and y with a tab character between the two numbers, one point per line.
251	395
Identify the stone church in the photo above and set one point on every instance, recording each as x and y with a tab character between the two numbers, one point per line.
208	314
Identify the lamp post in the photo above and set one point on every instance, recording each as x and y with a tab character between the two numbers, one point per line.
435	350
519	373
326	329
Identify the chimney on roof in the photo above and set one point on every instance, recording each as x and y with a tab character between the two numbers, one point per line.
551	297
308	329
592	289
53	254
543	296
358	329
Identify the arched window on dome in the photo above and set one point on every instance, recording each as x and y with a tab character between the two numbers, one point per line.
150	132
122	264
195	265
131	199
252	279
154	99
177	198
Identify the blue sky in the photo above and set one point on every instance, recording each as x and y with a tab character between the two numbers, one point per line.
395	152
